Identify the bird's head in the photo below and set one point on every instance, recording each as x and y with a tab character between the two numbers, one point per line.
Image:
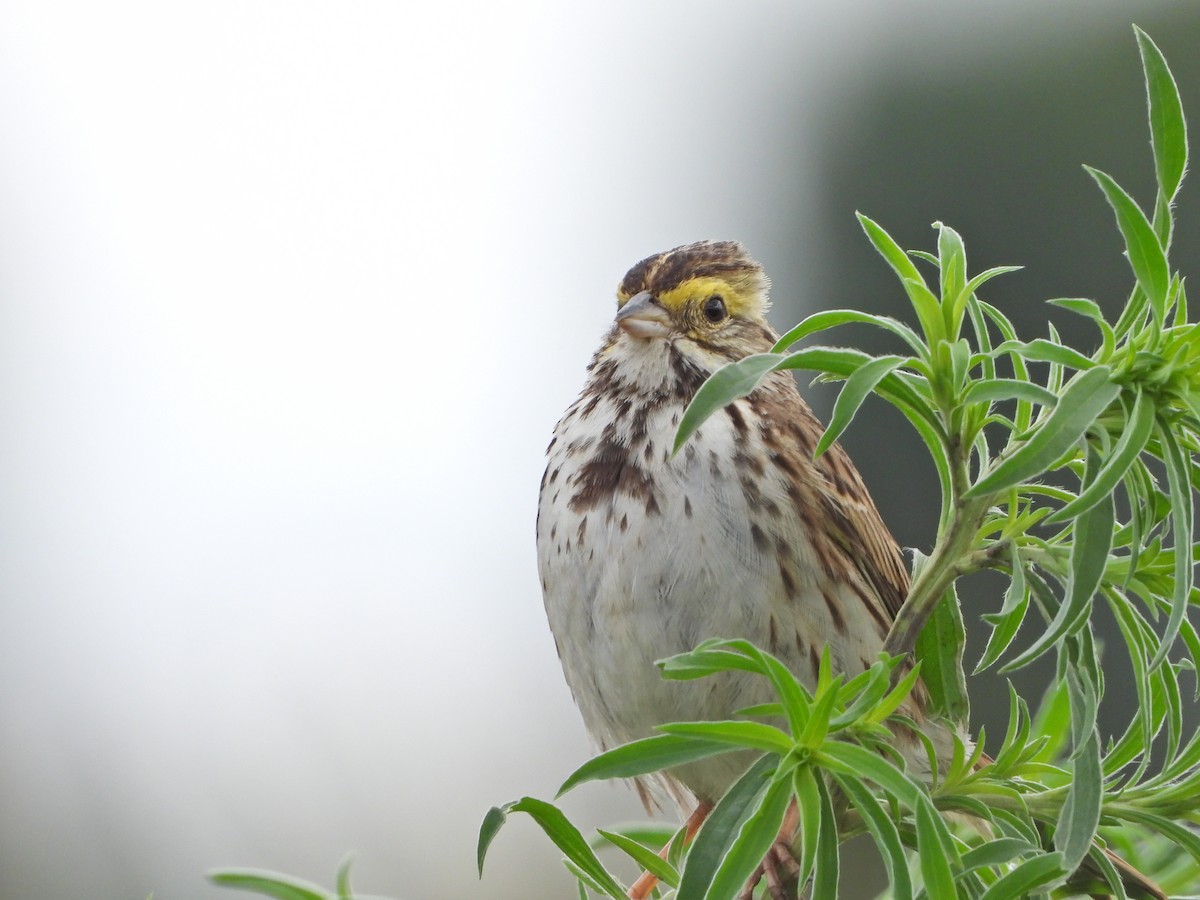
711	295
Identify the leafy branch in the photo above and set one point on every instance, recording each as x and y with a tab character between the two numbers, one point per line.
1070	472
1077	483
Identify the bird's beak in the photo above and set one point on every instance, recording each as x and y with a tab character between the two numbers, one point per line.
643	317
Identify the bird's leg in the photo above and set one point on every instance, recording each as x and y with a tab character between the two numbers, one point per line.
646	881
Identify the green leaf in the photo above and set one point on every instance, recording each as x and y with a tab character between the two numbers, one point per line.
752	735
1080	815
568	839
651	754
935	865
1184	837
968	290
269	884
721	828
1133	440
852	395
885	833
826	869
727	384
939	650
1088	559
996	389
1145	253
754	840
924	303
1090	309
808	805
644	857
1168	130
995	852
1038	871
1087	395
1042	350
1007	622
1182	501
492	823
344	890
831	318
858	762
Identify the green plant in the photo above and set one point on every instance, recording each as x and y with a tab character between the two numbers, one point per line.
1070	472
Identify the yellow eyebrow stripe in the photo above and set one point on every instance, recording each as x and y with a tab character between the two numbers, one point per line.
677	298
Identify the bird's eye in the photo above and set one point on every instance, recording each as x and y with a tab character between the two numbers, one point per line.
714	309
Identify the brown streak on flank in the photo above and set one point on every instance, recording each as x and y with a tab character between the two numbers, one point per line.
738	420
789	582
624	523
652	506
876	609
772	632
836	615
687	506
582	530
760	538
814	658
749	462
751	490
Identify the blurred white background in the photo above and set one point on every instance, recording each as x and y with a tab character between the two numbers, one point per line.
291	296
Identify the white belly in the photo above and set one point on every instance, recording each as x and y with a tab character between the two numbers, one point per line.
683	553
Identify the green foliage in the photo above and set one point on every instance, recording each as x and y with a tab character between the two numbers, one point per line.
1071	473
284	887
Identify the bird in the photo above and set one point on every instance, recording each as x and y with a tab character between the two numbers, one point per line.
643	553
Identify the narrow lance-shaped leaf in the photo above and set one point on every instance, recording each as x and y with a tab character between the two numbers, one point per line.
488	829
1131	443
831	318
727	384
269	884
826	869
749	735
1080	815
643	856
642	757
1182	503
1007	621
721	828
1083	399
1145	253
852	395
808	804
939	649
935	866
755	838
1168	130
1089	555
1038	871
952	268
885	833
924	303
344	891
997	389
568	839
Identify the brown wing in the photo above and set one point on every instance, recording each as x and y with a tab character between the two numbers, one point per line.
830	496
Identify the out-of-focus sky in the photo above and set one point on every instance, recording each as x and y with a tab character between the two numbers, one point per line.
291	296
